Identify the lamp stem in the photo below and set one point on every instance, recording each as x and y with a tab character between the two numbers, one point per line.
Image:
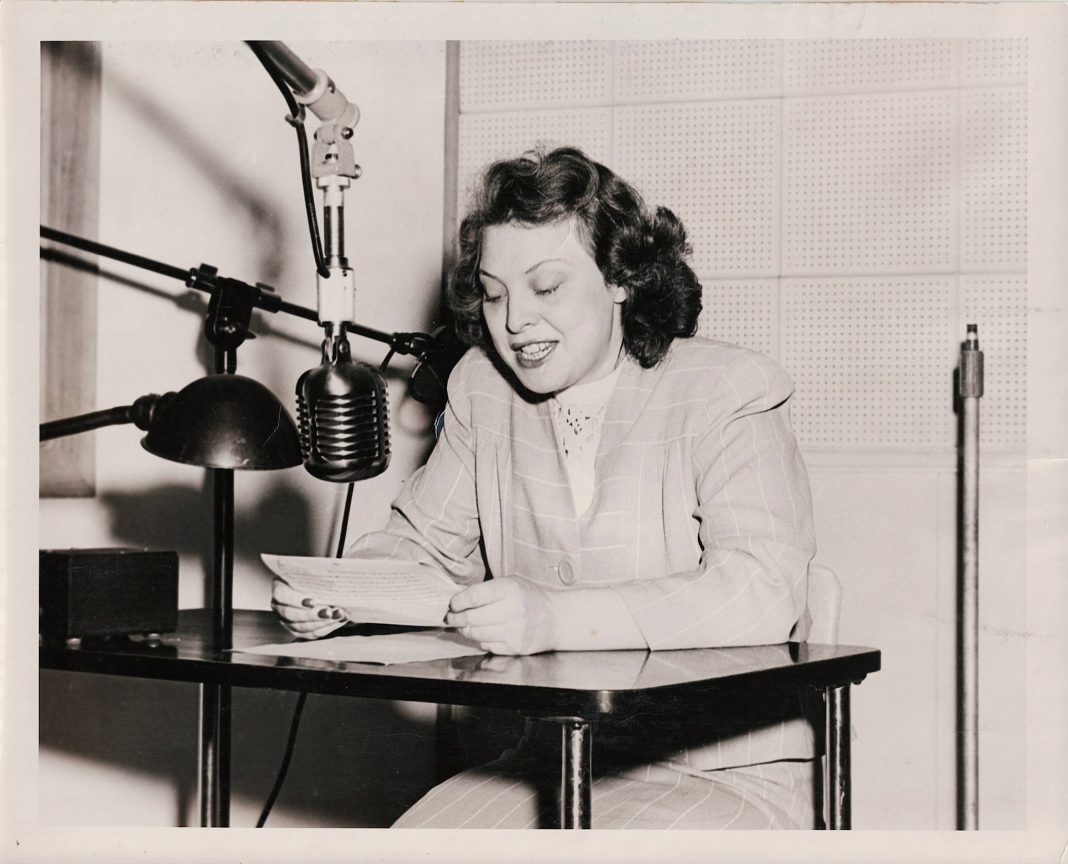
215	725
222	592
223	576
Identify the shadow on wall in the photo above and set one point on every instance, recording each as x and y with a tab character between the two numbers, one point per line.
179	132
180	518
338	776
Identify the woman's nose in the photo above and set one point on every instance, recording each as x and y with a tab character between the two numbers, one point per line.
520	314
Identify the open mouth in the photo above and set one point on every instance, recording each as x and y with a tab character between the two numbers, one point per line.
534	353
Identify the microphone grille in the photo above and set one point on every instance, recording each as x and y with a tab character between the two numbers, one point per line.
343	419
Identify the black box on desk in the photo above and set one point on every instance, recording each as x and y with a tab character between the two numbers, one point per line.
107	592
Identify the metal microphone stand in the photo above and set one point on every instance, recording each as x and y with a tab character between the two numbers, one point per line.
970	391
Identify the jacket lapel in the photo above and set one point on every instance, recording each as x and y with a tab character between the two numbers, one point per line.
541	484
628	400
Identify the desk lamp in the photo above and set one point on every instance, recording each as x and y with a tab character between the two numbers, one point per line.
223	422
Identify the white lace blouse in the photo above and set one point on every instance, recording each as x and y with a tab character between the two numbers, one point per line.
578	417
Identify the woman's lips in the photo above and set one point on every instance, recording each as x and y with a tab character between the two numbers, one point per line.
533	354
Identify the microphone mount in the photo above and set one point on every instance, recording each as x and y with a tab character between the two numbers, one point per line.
333	167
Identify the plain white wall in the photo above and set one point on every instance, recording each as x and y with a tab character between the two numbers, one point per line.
199	165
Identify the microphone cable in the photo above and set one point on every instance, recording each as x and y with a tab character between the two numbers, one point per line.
298	710
296	120
294	725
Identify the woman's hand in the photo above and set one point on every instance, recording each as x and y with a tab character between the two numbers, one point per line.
301	616
505	616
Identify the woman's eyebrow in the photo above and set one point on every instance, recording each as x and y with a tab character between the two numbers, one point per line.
534	267
526	272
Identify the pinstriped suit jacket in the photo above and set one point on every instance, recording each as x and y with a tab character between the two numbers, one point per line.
701	517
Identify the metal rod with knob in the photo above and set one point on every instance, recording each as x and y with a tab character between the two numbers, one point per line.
970	392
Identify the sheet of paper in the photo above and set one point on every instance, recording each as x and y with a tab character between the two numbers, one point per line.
385	649
370	590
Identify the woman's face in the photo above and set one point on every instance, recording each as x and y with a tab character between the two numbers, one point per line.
547	309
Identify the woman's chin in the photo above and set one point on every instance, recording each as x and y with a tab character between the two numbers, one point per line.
537	380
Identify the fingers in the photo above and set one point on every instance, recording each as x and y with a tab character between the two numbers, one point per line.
504	648
299	613
503	616
287	596
301	616
494	633
495	639
479	595
312	631
497	612
316	616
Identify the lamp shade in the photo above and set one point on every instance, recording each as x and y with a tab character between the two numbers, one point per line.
224	421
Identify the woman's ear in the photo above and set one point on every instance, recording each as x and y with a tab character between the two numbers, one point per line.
618	292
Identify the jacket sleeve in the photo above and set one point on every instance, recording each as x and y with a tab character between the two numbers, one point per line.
434	519
755	529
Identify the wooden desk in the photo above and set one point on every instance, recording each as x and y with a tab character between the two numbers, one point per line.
574	689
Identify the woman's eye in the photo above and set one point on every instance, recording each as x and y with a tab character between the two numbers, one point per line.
541	292
487	298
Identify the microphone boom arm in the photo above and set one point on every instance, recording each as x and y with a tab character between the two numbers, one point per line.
265	298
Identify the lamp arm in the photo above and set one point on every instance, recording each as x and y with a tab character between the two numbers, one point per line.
140	414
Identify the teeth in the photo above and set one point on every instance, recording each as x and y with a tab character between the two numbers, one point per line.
536	350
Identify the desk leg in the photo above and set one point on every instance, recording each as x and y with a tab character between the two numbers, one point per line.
575	774
215	755
837	791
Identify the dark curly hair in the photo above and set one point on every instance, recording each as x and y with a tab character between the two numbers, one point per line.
637	250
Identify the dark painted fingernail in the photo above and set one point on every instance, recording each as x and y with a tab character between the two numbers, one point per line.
338	615
307	603
324	613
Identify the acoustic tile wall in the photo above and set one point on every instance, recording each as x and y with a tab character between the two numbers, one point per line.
851	203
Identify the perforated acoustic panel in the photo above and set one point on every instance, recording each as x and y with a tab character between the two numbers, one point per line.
716	166
485	137
682	71
742	312
998	306
994	179
870	184
987	62
872	360
859	65
508	76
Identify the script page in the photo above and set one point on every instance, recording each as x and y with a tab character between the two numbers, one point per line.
369	590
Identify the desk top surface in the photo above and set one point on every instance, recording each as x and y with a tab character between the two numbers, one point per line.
582	683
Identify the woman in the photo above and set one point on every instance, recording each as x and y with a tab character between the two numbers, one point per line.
623	483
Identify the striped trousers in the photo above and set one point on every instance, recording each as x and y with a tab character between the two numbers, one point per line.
519	790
